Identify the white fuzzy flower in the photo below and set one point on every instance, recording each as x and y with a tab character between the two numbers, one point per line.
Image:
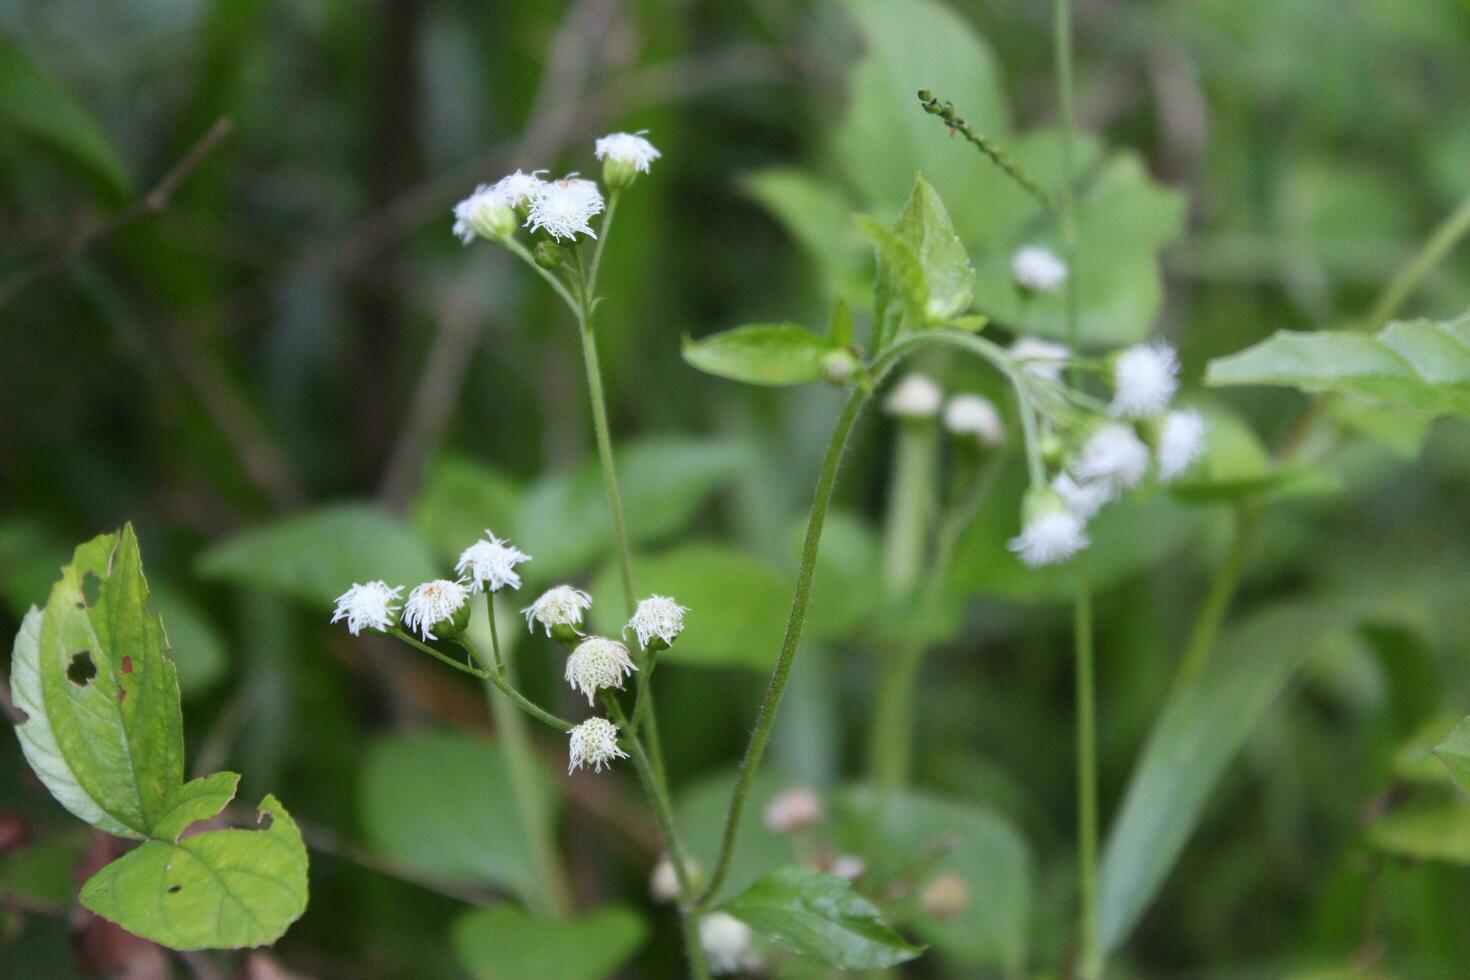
1145	377
491	564
848	867
563	207
657	617
1181	442
432	603
519	189
1050	538
917	396
1083	498
593	743
597	663
972	415
728	944
1041	358
627	148
485	213
1114	454
560	605
368	605
1038	269
793	811
663	881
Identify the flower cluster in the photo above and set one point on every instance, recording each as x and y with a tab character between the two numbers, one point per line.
970	418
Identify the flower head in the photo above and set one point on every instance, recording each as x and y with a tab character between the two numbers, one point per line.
1083	498
594	743
972	415
491	564
563	207
485	213
1051	533
1041	358
1145	377
848	867
1038	269
1181	442
560	605
793	811
520	189
370	605
917	396
435	605
663	881
597	663
1114	454
728	944
658	617
628	149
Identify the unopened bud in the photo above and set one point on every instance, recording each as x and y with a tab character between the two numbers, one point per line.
548	255
838	366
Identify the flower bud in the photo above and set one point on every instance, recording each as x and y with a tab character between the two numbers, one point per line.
624	156
486	213
618	173
548	255
838	366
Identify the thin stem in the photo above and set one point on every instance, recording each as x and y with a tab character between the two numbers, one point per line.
441	657
911	500
1035	469
607	220
1217	600
1090	965
1401	286
556	284
500	665
605	453
526	704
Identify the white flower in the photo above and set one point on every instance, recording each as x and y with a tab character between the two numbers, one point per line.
1084	498
597	663
728	944
560	605
1038	269
593	743
915	397
793	811
369	605
657	617
1113	453
1050	538
627	148
972	415
1181	442
1145	377
663	881
491	564
432	603
519	188
1042	358
563	207
485	213
848	867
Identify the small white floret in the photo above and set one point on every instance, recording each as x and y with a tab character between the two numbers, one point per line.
972	415
657	617
563	207
1041	358
433	603
728	944
593	744
491	564
1038	269
628	148
917	396
560	605
1050	538
1083	498
1145	377
370	605
1181	442
663	881
848	867
484	213
1114	454
597	663
793	810
520	189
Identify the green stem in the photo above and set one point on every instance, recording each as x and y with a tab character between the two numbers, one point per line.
500	665
607	220
1217	600
1090	965
1401	286
910	504
441	657
556	284
605	452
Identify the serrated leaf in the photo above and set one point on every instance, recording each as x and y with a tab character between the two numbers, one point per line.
504	942
899	293
819	915
945	265
1425	832
1417	366
772	354
104	729
1454	752
316	555
222	889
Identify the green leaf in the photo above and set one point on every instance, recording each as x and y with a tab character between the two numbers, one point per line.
33	102
198	799
817	914
104	730
460	499
222	889
1199	731
737	604
948	278
900	295
314	556
443	804
1415	365
1454	752
772	354
1425	832
503	942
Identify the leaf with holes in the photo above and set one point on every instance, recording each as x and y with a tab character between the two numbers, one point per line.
222	889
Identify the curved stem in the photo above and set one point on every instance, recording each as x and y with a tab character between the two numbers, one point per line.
605	452
607	220
526	704
556	284
441	657
1216	604
1401	286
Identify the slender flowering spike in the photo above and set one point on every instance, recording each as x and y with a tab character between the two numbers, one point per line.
597	663
657	620
1051	533
972	415
728	944
491	564
485	213
1083	498
1181	442
624	156
370	605
1041	358
519	189
560	605
563	207
594	744
1114	454
1038	269
1145	377
438	605
793	811
917	396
